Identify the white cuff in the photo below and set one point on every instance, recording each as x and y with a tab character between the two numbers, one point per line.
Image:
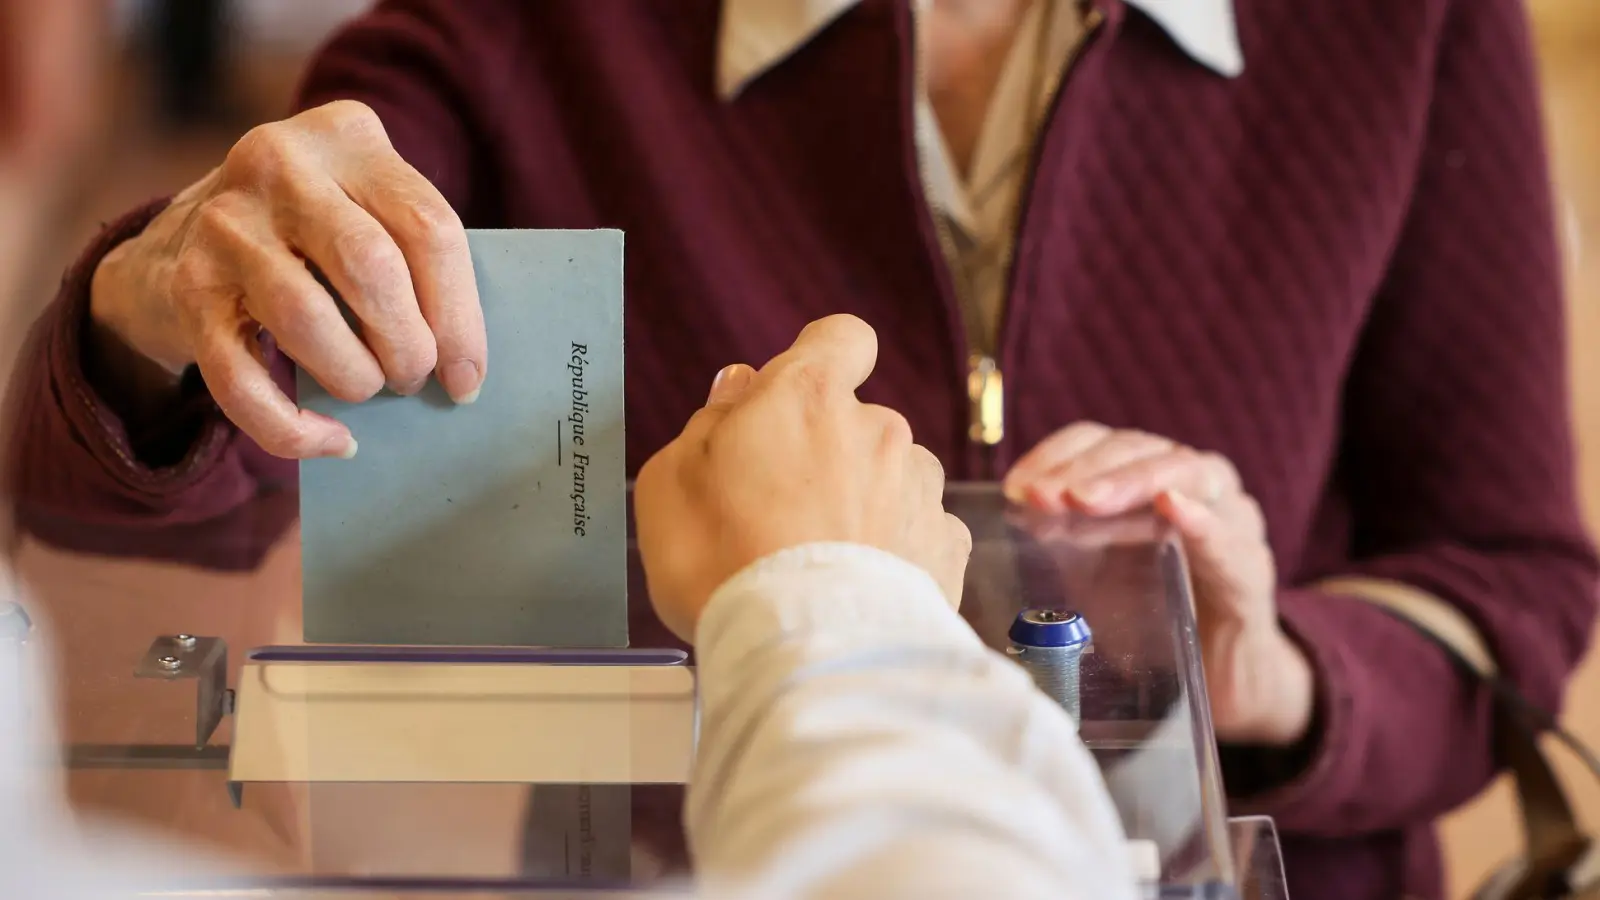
833	599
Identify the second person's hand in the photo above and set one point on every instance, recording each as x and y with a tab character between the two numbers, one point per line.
784	457
232	256
1259	680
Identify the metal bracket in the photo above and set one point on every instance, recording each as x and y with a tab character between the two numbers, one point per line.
182	656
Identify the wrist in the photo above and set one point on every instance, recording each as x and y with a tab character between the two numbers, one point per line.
129	350
1262	686
1286	717
131	324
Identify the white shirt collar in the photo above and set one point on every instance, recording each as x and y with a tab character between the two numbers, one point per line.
758	34
1205	29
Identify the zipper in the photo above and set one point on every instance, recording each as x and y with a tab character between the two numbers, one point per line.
983	376
986	401
986	421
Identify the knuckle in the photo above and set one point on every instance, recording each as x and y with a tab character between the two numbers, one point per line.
1253	511
651	471
198	290
219	220
702	428
241	402
645	483
409	362
288	442
371	262
897	431
846	329
1187	458
960	534
1224	466
285	305
216	370
347	119
289	439
191	275
813	382
929	462
433	226
358	385
263	151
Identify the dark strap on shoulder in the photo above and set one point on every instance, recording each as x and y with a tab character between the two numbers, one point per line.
1561	863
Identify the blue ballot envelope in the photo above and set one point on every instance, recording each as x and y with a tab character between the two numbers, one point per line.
497	523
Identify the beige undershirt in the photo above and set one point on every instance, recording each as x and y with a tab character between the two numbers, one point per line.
977	214
980	212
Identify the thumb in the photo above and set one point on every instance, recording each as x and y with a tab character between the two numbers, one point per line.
727	389
730	385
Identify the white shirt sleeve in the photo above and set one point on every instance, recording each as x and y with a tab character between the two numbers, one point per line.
858	740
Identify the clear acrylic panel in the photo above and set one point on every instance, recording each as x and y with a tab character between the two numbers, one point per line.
391	770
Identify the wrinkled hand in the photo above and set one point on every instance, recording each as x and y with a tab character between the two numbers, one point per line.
788	456
230	257
1259	680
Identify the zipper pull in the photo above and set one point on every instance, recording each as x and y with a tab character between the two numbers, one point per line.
986	394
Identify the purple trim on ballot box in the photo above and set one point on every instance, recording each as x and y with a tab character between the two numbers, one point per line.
401	885
480	655
1208	891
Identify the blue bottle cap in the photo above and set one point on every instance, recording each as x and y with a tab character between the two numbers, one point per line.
1049	628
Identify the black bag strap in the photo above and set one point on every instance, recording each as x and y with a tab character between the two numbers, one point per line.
1561	862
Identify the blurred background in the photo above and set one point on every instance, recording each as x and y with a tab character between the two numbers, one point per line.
183	79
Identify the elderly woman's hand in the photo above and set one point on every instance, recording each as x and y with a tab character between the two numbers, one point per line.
1258	678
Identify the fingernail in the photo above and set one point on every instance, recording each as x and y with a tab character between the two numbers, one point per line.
1093	494
460	380
1045	497
1185	505
730	384
340	447
1014	492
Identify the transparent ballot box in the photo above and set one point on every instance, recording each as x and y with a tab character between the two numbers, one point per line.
377	771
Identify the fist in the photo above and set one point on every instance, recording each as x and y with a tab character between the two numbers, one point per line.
232	260
788	456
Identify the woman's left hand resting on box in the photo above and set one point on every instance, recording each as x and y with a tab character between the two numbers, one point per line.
1259	680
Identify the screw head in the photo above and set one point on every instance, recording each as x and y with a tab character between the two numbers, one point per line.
183	640
1049	628
169	662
